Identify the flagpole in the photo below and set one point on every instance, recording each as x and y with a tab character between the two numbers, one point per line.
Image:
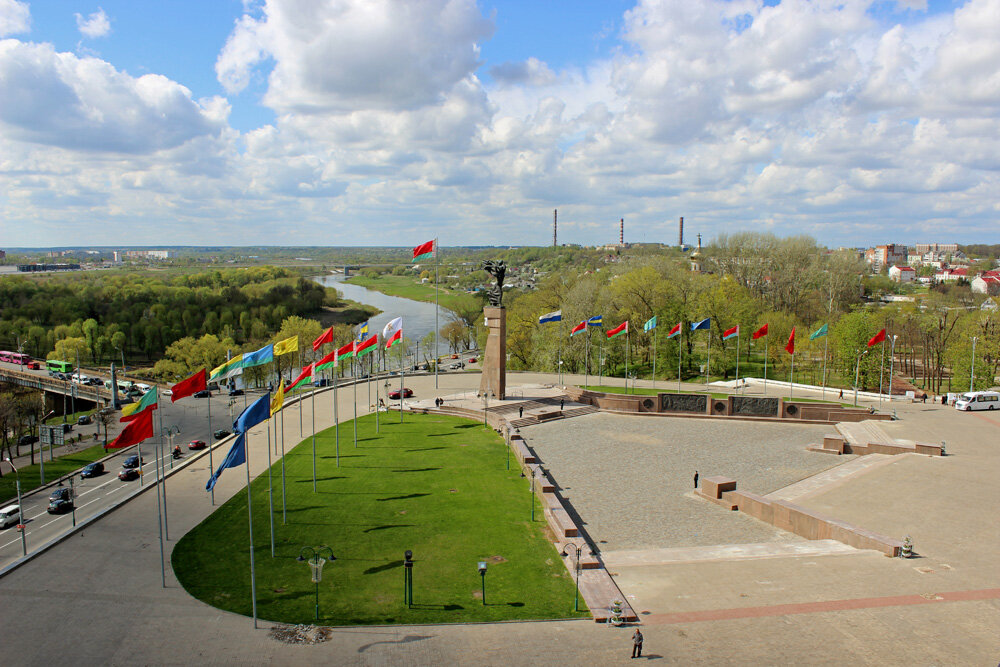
437	290
791	378
211	442
270	485
559	359
586	362
708	362
881	369
301	401
737	357
401	373
765	367
600	362
354	387
654	358
284	517
314	424
336	417
680	347
159	518
826	344
626	359
376	395
253	571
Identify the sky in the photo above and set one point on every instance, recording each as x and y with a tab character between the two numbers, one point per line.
389	122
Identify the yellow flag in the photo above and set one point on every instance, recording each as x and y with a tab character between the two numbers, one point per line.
279	398
286	346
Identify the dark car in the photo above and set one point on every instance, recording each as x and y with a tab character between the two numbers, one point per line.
235	392
61	493
197	444
67	427
204	393
25	440
322	382
128	474
394	394
131	462
83	420
60	505
93	470
221	433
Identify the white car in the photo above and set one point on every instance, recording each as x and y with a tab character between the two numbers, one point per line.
10	516
978	400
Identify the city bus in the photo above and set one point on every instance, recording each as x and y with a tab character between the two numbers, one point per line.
19	358
59	366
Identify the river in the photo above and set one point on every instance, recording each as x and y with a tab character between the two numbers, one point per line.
418	316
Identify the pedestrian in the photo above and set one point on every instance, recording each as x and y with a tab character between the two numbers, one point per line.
696	479
562	403
924	397
637	644
841	394
520	411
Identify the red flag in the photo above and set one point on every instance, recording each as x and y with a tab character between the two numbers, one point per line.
760	333
877	338
578	328
676	330
325	337
423	251
790	348
138	430
189	386
346	352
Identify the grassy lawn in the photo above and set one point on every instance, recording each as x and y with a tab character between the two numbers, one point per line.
407	287
31	475
437	485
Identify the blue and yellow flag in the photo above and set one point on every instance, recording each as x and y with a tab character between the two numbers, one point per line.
363	332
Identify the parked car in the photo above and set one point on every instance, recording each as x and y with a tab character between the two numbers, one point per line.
83	420
67	427
204	393
454	356
473	360
26	440
128	474
132	462
220	434
235	392
92	470
322	382
10	516
394	394
62	493
457	365
197	444
60	506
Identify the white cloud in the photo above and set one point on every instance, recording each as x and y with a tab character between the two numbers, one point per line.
93	26
15	17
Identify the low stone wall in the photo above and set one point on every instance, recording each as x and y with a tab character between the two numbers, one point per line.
754	406
838	445
796	519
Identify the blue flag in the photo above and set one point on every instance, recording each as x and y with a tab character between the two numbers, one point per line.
258	358
237	456
554	316
253	414
704	324
650	324
596	321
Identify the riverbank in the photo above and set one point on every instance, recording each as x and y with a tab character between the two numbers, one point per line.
407	288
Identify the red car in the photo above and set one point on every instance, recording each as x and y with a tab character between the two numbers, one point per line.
454	356
394	394
196	444
473	360
34	365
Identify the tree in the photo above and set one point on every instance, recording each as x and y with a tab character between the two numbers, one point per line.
456	333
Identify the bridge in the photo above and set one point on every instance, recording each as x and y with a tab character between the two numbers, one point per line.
54	388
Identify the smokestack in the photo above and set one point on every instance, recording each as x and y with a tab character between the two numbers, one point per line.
680	232
621	232
555	219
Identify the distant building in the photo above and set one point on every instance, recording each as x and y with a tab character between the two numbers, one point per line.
150	254
34	268
951	274
987	283
944	248
902	274
886	255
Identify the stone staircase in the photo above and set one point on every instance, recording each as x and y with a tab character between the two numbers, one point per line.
863	433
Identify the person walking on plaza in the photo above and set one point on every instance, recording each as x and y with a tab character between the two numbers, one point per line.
637	644
696	479
520	411
562	404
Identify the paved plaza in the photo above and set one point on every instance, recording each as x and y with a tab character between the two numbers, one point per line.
96	599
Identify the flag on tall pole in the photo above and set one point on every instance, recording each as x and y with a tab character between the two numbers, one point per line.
706	325
877	338
821	333
189	386
392	333
423	251
790	349
140	428
650	325
290	344
596	321
676	331
149	400
363	331
554	316
618	330
760	333
734	333
325	337
579	328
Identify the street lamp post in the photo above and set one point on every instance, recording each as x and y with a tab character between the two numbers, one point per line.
972	372
532	492
576	552
857	371
20	509
482	576
314	557
892	359
408	578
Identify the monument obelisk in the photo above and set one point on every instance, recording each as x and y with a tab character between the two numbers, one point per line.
494	379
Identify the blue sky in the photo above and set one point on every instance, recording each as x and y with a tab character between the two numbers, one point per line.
346	122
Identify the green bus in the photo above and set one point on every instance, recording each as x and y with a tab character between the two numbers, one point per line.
60	366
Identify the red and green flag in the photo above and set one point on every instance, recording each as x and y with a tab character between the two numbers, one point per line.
619	330
423	251
731	333
675	331
328	361
392	333
578	328
361	348
305	377
149	401
346	352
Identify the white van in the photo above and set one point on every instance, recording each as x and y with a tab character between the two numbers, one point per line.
978	400
10	516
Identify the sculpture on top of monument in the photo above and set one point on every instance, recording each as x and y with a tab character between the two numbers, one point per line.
497	269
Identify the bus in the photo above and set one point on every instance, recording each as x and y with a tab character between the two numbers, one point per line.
59	366
19	358
978	400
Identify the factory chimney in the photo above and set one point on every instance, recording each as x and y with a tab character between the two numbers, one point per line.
555	218
680	232
621	232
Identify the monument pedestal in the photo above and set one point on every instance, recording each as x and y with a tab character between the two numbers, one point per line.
494	380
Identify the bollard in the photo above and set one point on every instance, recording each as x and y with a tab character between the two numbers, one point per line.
907	551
